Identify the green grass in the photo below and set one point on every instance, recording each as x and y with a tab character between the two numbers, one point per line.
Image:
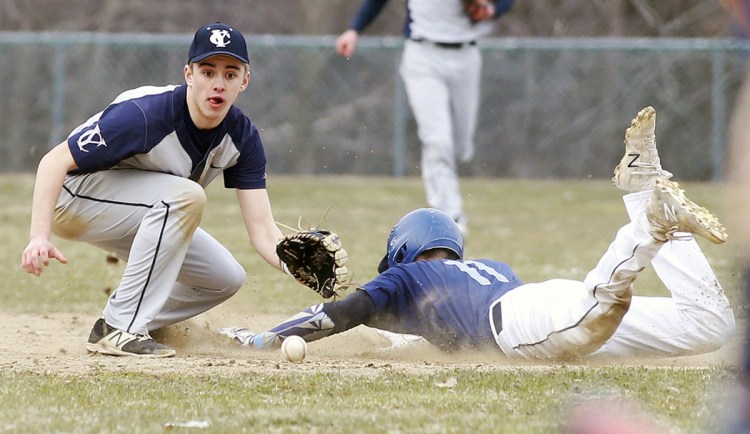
543	229
516	401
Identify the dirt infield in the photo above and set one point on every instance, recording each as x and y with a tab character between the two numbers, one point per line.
54	343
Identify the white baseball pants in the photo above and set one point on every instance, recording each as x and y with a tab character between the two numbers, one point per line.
565	318
697	318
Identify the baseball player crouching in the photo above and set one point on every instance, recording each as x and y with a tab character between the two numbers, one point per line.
427	288
131	180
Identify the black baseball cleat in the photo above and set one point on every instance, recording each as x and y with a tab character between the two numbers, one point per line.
105	339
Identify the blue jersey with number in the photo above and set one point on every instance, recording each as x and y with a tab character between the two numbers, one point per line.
149	128
446	302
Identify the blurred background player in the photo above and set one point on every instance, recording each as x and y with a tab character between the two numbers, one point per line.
426	288
441	70
740	17
739	198
131	180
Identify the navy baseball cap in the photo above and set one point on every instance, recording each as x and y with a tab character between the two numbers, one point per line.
217	38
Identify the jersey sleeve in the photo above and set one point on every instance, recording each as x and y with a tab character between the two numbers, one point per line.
119	133
366	14
387	291
250	171
502	6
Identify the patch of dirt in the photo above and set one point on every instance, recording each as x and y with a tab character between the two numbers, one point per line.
54	343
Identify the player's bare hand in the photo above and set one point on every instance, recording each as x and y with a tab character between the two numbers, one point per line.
346	43
37	255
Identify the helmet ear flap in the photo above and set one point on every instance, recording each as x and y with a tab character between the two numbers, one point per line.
400	254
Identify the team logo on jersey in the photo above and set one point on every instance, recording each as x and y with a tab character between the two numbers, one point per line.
220	38
91	137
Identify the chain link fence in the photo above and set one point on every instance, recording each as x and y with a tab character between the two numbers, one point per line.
551	108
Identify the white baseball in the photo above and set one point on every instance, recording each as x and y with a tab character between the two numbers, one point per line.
294	349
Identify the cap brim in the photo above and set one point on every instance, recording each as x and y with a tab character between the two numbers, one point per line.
383	264
205	56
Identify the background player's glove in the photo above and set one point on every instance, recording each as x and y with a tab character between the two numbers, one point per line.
315	258
478	10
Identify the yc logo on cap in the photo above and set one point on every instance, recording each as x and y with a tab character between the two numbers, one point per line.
220	38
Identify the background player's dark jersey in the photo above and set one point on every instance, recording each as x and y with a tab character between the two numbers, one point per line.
447	302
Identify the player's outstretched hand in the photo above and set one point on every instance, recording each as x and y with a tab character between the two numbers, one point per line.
249	338
37	255
239	334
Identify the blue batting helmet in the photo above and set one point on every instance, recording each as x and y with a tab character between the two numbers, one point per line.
418	231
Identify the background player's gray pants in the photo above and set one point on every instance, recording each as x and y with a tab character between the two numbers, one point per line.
174	270
442	86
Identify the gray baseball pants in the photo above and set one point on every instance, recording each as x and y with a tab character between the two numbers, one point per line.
442	85
175	270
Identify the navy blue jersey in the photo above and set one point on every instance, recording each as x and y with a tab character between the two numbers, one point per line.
145	128
446	302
